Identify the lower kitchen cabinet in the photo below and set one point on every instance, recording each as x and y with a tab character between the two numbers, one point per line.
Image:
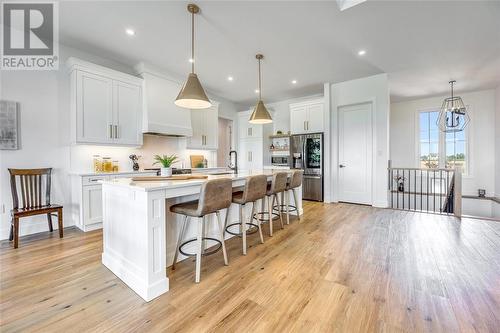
86	197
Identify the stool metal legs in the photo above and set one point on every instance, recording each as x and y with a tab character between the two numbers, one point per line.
200	242
243	230
179	239
294	191
221	233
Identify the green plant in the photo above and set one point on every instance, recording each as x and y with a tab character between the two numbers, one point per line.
166	160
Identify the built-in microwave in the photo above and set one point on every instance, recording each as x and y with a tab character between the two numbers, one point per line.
280	160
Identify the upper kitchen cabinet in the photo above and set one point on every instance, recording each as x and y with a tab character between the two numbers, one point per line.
106	105
246	129
307	117
205	128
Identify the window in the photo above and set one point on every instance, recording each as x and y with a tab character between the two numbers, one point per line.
438	149
429	140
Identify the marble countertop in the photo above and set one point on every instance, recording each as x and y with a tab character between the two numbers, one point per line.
170	184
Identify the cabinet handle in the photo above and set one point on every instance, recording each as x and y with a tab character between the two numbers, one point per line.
304	125
249	156
111	131
307	125
116	131
250	131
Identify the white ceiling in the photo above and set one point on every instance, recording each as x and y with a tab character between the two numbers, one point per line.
421	44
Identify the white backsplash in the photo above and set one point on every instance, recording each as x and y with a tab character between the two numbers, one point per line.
81	155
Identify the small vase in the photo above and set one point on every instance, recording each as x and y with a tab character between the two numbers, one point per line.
166	172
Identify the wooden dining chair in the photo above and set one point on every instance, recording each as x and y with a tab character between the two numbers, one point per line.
33	183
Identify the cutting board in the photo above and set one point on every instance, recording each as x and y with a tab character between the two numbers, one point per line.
176	177
196	160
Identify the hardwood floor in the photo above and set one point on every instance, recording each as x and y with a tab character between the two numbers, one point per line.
342	268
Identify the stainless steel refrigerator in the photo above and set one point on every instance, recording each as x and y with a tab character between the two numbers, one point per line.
307	154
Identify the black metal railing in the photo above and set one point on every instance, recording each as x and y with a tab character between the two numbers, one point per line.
426	190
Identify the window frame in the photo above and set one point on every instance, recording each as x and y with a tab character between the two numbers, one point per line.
442	142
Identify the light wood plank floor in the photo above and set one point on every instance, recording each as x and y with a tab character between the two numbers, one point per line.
343	268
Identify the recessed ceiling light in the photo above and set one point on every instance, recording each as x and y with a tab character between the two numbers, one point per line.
191	60
130	32
361	52
230	78
294	81
256	91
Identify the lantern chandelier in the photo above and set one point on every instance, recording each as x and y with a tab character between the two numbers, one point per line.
453	116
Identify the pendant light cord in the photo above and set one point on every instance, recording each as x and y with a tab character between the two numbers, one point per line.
192	42
260	85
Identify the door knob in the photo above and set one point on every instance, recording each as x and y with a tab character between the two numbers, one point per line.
342	166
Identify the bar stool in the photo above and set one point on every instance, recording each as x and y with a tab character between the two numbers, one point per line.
255	189
215	195
278	185
292	185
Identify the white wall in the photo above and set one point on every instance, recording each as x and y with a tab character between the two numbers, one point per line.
44	136
481	135
497	142
374	89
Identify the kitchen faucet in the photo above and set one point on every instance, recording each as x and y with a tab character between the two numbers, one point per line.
235	166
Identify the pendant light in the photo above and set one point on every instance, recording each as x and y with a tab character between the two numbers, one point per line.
453	116
260	115
192	95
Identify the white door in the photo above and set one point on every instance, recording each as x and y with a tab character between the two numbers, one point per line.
127	113
315	119
298	120
94	108
355	154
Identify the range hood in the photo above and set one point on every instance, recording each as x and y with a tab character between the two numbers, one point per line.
160	115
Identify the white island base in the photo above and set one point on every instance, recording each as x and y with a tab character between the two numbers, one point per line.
140	232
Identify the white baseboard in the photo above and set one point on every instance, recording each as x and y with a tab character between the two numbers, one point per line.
381	204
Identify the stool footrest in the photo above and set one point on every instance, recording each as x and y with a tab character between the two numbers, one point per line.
249	232
263	219
283	208
205	253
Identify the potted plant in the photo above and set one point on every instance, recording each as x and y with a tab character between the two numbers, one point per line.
166	161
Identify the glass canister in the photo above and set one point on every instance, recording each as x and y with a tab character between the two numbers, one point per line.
116	166
97	162
107	165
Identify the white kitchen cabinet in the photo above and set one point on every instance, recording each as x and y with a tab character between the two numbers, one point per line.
86	197
127	108
246	129
106	105
92	204
205	128
94	108
250	154
307	117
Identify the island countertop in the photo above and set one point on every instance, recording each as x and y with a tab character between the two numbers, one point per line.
171	184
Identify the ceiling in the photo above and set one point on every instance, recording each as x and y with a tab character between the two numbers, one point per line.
420	44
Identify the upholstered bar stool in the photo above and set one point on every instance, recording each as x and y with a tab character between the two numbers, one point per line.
255	189
277	186
294	182
215	195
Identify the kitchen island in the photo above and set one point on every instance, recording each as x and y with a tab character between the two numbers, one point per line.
140	232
